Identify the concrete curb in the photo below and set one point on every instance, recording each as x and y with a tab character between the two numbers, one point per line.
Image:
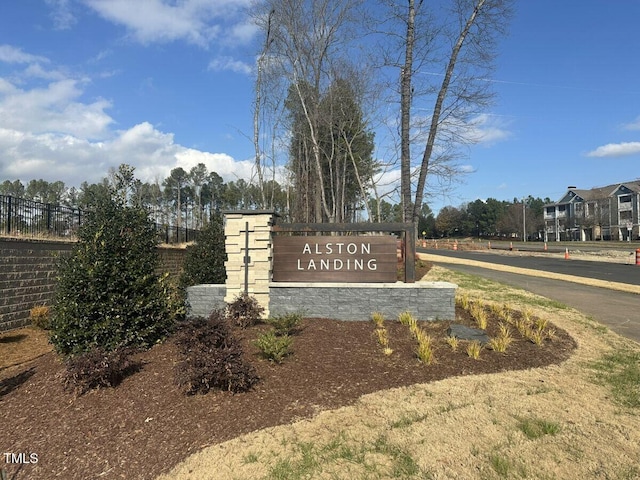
621	287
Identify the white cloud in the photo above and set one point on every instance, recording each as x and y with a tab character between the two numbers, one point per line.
230	64
53	109
635	125
616	150
243	32
48	132
195	21
73	160
13	55
487	129
61	14
466	168
10	54
35	70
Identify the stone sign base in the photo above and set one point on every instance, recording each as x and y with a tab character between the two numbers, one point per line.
340	301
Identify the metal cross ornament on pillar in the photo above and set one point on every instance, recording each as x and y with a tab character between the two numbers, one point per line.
246	258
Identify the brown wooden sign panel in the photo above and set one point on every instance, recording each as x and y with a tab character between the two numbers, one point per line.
369	259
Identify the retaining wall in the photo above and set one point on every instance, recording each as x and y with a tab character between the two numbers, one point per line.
28	271
202	299
357	301
342	301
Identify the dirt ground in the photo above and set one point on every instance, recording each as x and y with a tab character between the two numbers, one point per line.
336	408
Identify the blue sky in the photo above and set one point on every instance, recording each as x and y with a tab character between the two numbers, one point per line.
88	84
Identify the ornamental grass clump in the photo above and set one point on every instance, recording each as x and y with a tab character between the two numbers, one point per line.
378	319
473	349
383	337
406	319
501	342
535	336
453	342
522	325
463	301
479	315
39	317
381	333
506	313
551	333
540	324
496	309
425	348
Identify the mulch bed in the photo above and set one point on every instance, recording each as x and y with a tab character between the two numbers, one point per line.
146	425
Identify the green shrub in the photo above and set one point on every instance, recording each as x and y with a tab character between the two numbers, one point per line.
40	317
285	324
204	261
274	347
97	368
210	357
244	311
108	293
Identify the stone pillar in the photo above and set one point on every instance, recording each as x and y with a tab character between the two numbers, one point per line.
260	253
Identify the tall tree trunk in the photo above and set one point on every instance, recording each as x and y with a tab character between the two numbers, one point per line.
405	116
435	119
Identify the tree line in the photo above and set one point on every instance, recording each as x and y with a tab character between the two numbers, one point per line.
183	199
488	218
492	218
190	199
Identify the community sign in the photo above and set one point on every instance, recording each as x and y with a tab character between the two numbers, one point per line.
348	259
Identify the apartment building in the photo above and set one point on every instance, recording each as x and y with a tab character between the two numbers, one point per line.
604	213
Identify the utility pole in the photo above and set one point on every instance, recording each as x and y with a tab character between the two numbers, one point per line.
524	222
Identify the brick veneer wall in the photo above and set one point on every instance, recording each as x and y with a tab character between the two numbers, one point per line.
27	275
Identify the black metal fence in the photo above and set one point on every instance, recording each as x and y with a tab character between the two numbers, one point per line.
28	218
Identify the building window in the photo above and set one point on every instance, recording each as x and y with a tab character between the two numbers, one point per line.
626	215
625	199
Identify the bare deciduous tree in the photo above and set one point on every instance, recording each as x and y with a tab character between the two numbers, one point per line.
456	45
308	42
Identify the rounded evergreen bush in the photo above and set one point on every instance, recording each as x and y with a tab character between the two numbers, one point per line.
204	260
109	294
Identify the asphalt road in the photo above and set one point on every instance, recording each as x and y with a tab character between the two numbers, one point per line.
619	311
613	272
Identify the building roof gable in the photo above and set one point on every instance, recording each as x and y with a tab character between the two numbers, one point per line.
598	193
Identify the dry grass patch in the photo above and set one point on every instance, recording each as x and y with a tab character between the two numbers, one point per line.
21	345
